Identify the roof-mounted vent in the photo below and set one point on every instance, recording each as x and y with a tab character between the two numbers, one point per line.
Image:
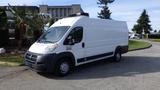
79	14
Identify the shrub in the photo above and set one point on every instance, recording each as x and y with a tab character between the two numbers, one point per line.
3	28
154	36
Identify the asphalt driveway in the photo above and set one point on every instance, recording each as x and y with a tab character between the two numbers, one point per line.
139	70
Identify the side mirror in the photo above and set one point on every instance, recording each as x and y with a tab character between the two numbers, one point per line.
69	40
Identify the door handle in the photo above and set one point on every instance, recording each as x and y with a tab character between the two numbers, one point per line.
83	45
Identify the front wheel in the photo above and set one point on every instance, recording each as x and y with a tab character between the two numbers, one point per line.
117	56
62	67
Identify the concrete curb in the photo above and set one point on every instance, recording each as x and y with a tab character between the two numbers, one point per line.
141	48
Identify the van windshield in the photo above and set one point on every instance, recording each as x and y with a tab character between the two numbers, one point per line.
53	34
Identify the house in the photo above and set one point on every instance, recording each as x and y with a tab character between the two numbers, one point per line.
59	12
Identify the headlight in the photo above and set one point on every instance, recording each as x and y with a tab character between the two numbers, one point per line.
51	48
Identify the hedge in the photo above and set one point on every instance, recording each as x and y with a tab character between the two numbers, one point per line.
154	36
3	38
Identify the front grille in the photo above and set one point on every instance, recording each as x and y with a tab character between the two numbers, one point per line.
31	58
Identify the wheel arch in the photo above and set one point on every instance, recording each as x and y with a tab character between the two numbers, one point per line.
67	55
118	48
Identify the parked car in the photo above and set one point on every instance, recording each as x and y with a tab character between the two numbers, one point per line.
134	36
77	40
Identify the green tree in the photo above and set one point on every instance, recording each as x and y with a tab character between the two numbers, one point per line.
3	28
28	24
105	12
137	29
143	23
37	25
155	31
51	21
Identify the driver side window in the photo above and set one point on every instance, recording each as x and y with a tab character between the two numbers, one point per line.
75	36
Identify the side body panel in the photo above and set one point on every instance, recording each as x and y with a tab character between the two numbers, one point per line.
101	38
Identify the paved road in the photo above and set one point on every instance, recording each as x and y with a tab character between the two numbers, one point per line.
139	70
10	70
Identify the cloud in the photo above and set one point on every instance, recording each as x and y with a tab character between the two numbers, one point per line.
130	10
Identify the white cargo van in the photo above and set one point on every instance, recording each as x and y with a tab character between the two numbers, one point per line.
77	40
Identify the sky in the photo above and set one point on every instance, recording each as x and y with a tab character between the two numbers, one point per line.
124	10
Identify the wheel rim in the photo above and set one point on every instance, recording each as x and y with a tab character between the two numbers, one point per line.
118	56
64	67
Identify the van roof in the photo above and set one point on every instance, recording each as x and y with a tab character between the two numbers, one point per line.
68	21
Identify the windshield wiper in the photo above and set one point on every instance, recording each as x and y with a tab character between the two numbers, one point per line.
48	42
44	41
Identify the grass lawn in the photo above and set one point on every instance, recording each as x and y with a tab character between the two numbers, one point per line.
11	60
137	44
155	40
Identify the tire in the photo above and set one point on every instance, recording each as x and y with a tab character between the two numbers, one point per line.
117	55
62	68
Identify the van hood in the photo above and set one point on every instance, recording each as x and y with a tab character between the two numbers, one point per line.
42	48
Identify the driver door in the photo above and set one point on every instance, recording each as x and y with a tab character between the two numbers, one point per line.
75	43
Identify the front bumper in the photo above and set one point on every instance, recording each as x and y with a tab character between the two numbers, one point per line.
40	62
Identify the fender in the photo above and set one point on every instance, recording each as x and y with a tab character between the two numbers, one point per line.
66	55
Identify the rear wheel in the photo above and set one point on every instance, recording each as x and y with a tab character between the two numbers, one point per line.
117	55
63	67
